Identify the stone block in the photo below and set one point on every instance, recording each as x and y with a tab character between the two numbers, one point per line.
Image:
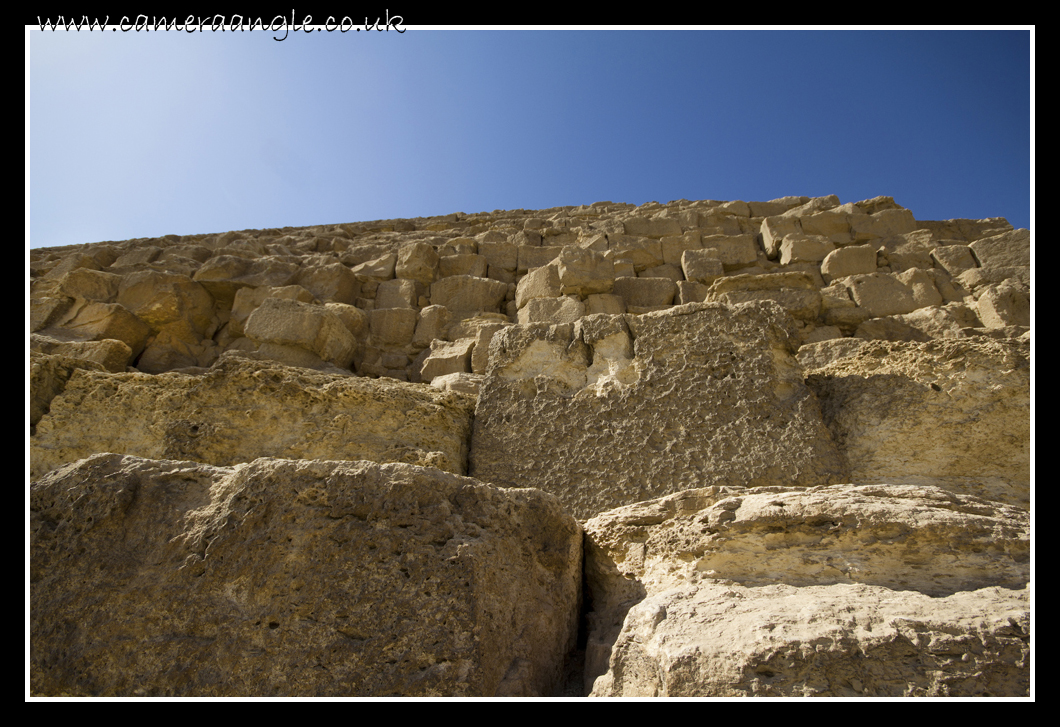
465	264
417	261
803	248
702	266
355	579
1009	249
311	327
881	294
393	326
597	426
396	293
552	310
467	294
734	251
584	272
447	358
643	292
541	282
934	413
853	260
210	419
768	591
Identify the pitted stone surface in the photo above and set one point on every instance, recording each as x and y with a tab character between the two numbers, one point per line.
241	410
710	395
284	578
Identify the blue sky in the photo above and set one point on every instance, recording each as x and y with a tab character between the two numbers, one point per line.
141	134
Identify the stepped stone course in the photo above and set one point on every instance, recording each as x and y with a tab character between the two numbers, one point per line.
796	434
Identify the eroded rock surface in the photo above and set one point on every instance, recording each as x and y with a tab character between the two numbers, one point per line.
616	409
243	409
285	578
841	590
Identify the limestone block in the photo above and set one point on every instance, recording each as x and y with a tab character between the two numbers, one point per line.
393	326
775	206
248	299
98	321
923	286
584	272
378	269
949	321
881	294
710	395
464	293
651	226
690	292
333	282
953	413
769	591
88	284
822	333
604	303
890	328
813	206
447	358
502	255
976	279
796	292
802	248
773	232
355	319
640	252
312	327
909	250
1009	249
878	204
140	256
734	251
883	223
853	260
48	374
702	266
417	261
45	311
542	282
243	409
463	264
526	238
1007	304
162	299
354	578
433	323
223	275
645	291
674	246
73	262
954	259
552	310
396	293
536	257
828	224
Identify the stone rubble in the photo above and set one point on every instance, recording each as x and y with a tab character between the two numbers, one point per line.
796	434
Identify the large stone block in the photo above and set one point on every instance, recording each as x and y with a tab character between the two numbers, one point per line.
241	410
468	294
283	578
311	327
699	394
952	412
724	592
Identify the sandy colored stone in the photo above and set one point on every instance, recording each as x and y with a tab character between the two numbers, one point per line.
312	327
241	410
952	412
620	409
819	592
283	578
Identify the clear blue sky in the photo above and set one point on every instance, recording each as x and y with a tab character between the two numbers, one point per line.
151	133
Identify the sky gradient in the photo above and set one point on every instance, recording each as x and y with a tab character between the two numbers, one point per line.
152	133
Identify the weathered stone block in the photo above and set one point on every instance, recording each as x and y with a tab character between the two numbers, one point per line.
235	413
598	427
354	578
768	591
954	413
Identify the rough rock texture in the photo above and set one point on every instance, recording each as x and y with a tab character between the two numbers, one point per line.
607	352
879	590
283	578
626	408
241	410
952	412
